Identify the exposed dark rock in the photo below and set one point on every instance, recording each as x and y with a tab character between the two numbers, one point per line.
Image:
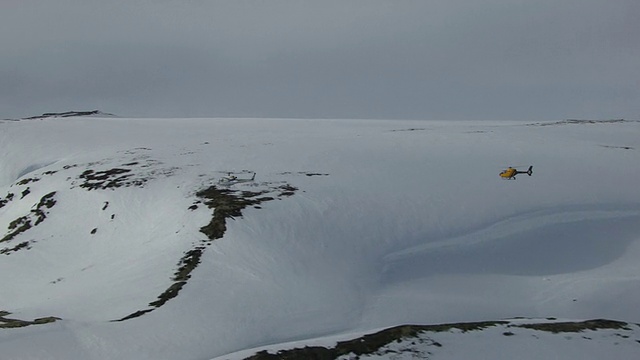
7	323
36	215
128	175
16	227
20	246
562	327
226	204
70	114
373	343
410	129
106	179
4	201
618	147
27	181
46	202
287	190
135	314
582	122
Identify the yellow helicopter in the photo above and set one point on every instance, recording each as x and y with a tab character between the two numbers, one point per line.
510	173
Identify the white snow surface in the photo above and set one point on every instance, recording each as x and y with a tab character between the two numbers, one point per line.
393	222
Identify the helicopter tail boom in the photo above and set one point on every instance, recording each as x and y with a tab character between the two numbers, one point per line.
528	172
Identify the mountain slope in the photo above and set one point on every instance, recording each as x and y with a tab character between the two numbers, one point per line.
118	230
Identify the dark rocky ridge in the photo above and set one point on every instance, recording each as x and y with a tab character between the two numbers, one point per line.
70	114
373	344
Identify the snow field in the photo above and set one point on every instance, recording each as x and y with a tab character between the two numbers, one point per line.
393	222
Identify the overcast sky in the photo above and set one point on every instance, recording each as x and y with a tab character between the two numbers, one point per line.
427	59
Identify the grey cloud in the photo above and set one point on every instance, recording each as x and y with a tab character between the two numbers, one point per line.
454	59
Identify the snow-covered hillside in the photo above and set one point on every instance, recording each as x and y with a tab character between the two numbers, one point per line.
118	242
